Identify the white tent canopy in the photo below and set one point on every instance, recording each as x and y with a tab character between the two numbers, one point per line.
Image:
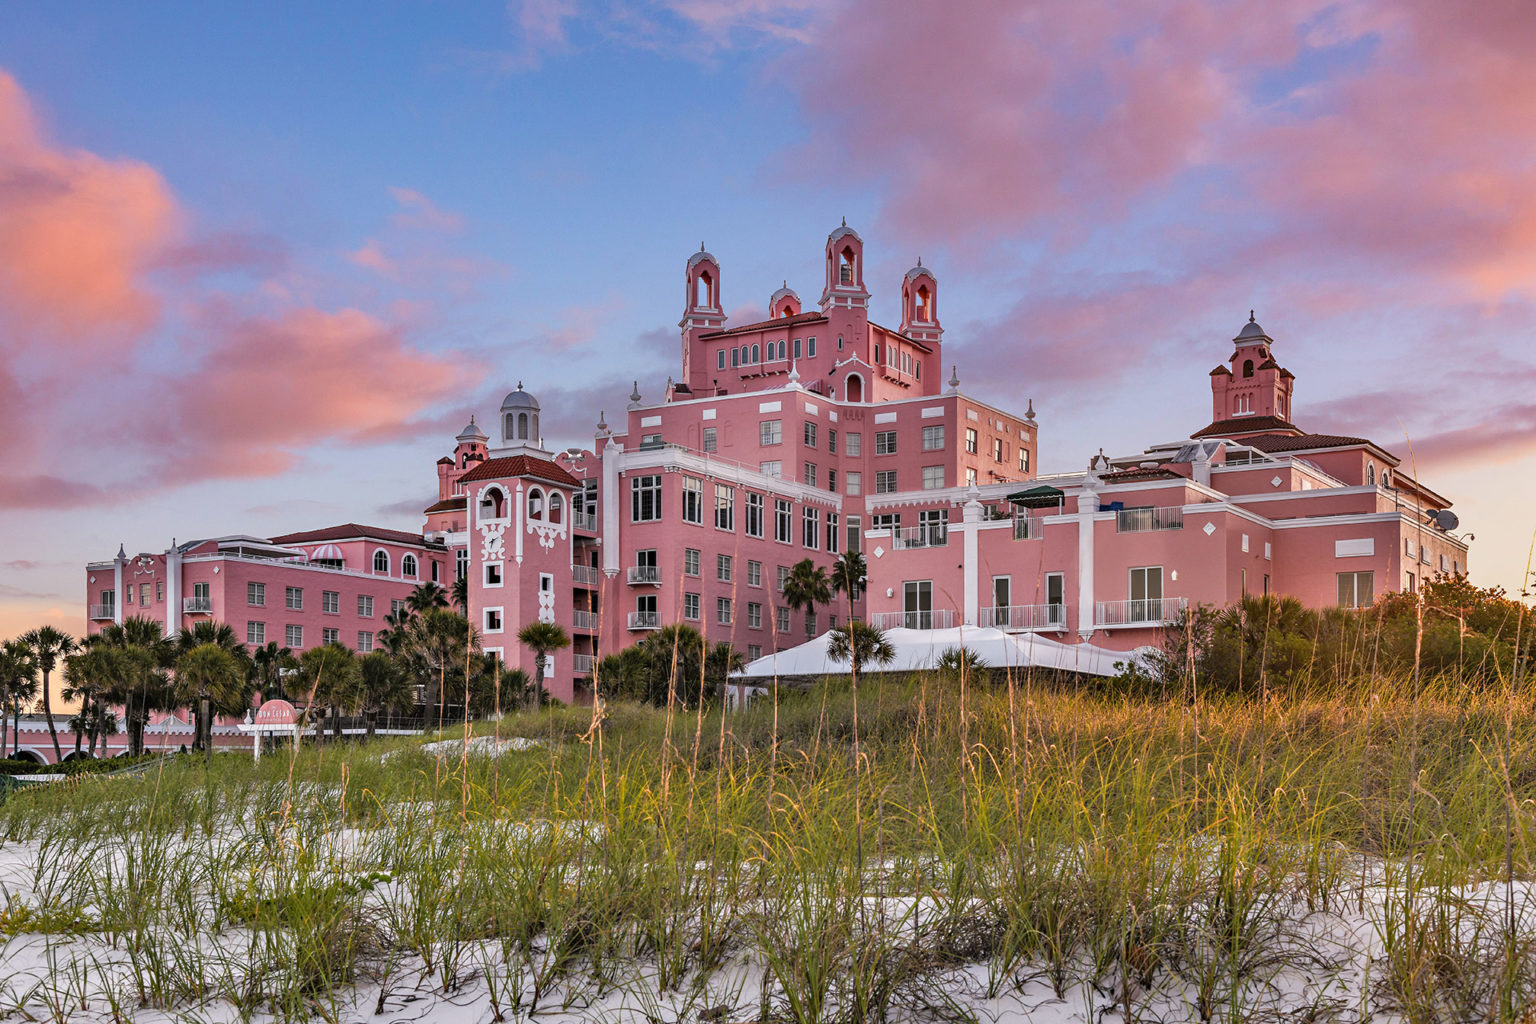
918	649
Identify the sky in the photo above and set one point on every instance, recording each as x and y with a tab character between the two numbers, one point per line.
259	262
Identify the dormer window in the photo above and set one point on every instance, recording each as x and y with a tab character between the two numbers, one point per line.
1247	367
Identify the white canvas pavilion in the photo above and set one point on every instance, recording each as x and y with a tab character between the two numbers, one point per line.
919	649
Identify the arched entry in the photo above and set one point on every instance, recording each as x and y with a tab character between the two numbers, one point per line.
854	386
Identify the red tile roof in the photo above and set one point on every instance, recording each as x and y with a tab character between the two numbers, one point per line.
1245	424
1221	369
1125	476
352	531
454	504
767	325
520	465
1306	442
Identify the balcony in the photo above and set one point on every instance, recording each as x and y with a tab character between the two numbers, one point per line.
584	619
943	618
583	664
197	606
584	521
644	620
98	612
1028	528
1024	617
1155	611
645	574
1145	520
586	575
930	535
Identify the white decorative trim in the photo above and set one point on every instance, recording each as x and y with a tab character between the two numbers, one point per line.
770	406
885	417
933	412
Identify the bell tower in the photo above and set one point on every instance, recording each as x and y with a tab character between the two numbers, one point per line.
920	305
845	270
702	314
1252	385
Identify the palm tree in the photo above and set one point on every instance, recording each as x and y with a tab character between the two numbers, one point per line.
333	680
849	575
427	595
48	646
431	643
141	684
860	644
807	587
460	594
384	686
957	661
223	636
396	634
209	678
541	638
270	662
18	684
92	671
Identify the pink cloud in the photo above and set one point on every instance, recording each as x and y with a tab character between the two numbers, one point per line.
371	256
77	232
417	211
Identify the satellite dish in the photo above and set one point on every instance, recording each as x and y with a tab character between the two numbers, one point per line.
1447	520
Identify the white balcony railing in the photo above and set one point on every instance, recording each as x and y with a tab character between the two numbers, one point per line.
1156	611
103	611
582	664
586	574
929	535
1028	528
1144	520
644	620
197	606
942	618
1024	617
585	521
584	619
645	574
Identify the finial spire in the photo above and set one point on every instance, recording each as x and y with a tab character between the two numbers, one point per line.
954	377
1250	316
1029	413
845	222
519	385
919	261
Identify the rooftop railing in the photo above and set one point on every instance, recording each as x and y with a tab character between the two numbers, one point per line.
928	535
1027	528
1145	520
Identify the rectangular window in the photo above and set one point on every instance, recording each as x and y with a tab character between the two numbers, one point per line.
781	619
691	607
396	605
885	481
330	636
1146	594
437	571
128	594
754	515
493	620
1356	589
159	590
492	574
853	483
461	563
143	593
364	641
783	522
735	356
200	594
797	348
885	521
650	442
256	633
725	507
783	578
933	439
832	441
293	636
810	474
997	449
690	561
754	651
693	500
810	434
711	442
832	531
810	623
810	348
256	595
854	444
645	499
1056	598
364	606
720	360
970	476
917	604
754	574
770	432
1023	459
832	480
723	568
294	599
810	536
723	610
330	602
885	442
855	535
933	477
773	468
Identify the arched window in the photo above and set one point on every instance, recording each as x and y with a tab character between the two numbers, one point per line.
854	388
556	507
408	566
493	504
845	266
735	356
1386	478
1370	473
381	562
923	304
1247	367
522	426
756	354
507	430
702	289
536	504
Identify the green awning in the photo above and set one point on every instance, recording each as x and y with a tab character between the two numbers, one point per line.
1042	496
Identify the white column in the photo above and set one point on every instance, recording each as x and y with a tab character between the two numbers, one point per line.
971	527
517	524
172	590
612	453
117	588
1087	508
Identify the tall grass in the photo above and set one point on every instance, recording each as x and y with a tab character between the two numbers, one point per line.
1010	843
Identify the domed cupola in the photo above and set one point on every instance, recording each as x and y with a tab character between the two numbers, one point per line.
1252	333
520	419
784	302
472	434
920	304
845	270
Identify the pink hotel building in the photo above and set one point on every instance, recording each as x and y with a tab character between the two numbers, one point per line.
811	433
